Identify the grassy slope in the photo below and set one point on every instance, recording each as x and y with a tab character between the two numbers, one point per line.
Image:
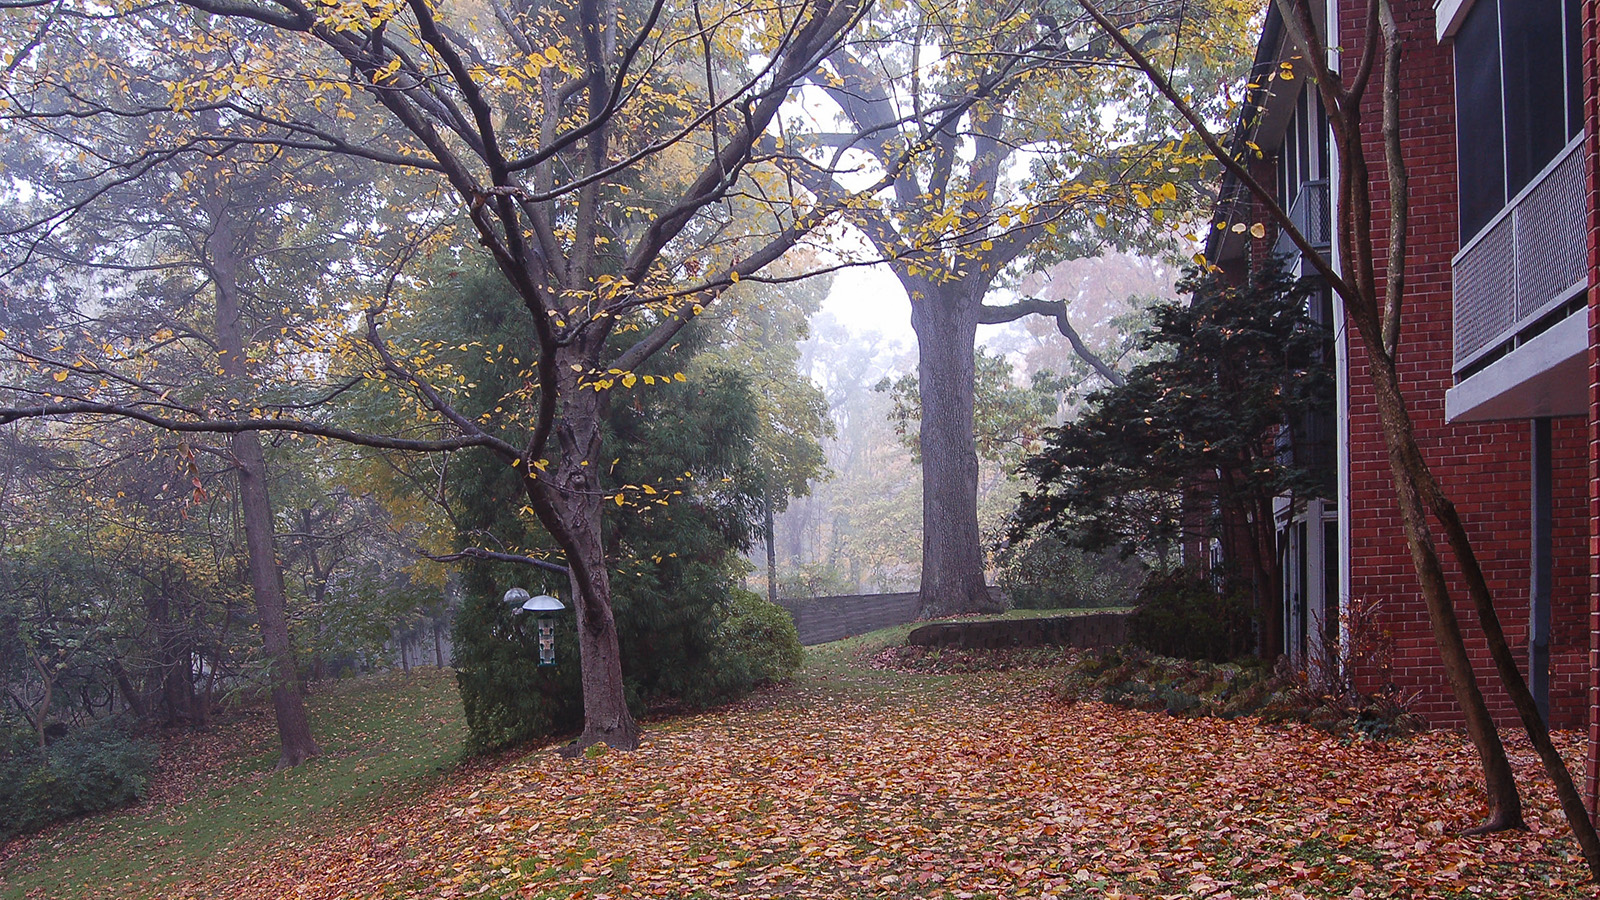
850	782
383	739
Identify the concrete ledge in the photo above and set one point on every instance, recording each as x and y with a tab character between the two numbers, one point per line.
1098	630
1547	376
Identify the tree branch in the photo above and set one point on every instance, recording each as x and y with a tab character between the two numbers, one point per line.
1234	167
237	426
495	556
1055	309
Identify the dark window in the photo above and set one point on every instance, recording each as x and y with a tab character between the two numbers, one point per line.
1534	73
1322	142
1480	141
1302	129
1518	99
1304	155
1574	70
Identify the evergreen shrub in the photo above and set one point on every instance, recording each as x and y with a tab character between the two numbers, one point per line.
757	645
90	769
1050	573
1181	614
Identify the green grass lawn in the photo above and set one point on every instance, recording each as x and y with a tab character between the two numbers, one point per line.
383	738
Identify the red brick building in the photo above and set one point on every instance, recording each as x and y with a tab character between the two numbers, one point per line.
1499	336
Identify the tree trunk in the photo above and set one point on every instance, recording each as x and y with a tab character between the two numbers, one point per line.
1408	470
1267	579
158	610
1511	678
319	594
266	578
41	720
568	501
946	324
130	693
266	582
772	551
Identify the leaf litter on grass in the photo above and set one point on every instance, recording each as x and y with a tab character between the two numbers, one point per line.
973	786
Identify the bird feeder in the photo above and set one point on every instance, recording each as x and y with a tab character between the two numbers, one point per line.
545	607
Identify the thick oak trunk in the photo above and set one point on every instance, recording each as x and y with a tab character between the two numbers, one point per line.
952	555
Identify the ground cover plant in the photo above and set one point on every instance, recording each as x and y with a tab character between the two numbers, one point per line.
1135	678
853	781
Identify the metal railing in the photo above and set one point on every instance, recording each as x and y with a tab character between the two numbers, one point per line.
1527	260
1310	214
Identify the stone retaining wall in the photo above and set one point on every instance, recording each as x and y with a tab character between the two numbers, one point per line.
1097	630
823	619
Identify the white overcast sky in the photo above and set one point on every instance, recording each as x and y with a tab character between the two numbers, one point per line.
870	298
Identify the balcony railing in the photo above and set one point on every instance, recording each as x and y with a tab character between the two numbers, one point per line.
1528	260
1309	213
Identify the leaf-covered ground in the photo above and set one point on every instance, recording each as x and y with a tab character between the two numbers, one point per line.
862	783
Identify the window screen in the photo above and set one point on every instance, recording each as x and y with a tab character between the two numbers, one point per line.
1518	99
1480	135
1533	72
1574	70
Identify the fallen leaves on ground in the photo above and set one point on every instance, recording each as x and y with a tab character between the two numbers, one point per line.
981	786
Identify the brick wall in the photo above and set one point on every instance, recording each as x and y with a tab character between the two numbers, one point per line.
1591	115
1484	467
823	619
